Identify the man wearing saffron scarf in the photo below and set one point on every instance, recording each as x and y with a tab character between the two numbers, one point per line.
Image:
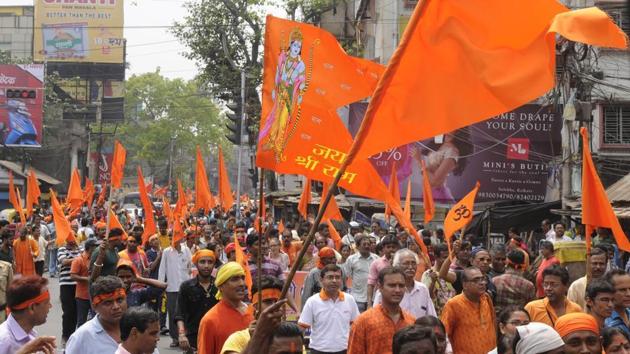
312	286
29	302
25	250
231	314
580	333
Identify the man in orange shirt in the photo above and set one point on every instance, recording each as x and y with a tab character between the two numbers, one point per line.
79	272
290	247
469	317
373	330
231	314
25	250
555	304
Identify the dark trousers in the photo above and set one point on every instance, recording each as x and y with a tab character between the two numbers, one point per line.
171	304
39	268
69	308
362	306
83	308
313	351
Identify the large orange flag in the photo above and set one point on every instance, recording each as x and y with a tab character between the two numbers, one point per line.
332	210
394	189
225	191
118	165
149	221
427	195
88	192
407	209
241	259
32	192
203	195
496	57
75	193
596	208
305	198
460	215
62	225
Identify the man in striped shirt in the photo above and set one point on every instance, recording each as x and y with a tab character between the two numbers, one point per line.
67	287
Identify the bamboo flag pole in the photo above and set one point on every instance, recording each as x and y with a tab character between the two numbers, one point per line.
261	203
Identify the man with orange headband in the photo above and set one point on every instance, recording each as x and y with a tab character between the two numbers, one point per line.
580	333
270	293
29	302
101	334
105	257
512	288
312	285
196	297
231	314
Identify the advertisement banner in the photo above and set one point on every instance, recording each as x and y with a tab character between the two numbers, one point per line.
79	31
510	155
103	162
21	104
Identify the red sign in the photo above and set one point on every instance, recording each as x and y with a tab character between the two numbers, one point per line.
104	163
21	102
518	149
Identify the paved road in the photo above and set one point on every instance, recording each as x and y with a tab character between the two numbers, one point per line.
53	323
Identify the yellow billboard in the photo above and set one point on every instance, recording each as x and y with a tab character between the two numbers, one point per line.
88	31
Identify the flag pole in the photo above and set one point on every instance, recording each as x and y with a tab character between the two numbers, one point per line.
261	203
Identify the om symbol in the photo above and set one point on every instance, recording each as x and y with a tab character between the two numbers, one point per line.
462	212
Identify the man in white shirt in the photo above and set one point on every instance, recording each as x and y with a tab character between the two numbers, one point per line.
329	314
174	269
559	233
357	268
41	245
348	239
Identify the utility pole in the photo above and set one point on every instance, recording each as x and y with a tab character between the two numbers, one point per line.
170	167
240	148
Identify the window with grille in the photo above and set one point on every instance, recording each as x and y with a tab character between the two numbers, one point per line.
617	124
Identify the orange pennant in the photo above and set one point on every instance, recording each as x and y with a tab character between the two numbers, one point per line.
332	210
181	206
460	215
203	195
102	195
225	191
75	193
149	221
427	195
19	206
32	192
115	223
281	226
62	225
334	235
241	259
118	165
452	46
394	189
305	199
88	192
596	208
166	209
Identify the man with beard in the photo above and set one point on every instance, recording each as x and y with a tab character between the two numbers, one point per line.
196	297
229	315
101	334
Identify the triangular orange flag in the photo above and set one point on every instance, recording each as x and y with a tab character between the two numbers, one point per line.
75	193
281	226
181	205
460	215
241	259
62	225
305	199
596	208
149	222
334	234
88	192
102	195
427	195
394	189
225	191
118	165
332	211
18	206
178	230
115	223
454	46
166	209
408	201
203	195
32	192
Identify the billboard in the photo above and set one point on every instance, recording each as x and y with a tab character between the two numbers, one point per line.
79	31
103	161
21	104
510	155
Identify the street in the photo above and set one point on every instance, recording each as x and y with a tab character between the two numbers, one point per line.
53	323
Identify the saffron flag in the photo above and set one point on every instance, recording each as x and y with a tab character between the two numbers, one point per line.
334	234
181	204
75	193
12	197
458	46
166	209
62	225
427	196
407	209
178	230
241	259
147	206
281	227
225	191
394	189
115	223
88	192
332	210
19	206
596	208
305	199
203	195
460	215
118	165
32	192
102	195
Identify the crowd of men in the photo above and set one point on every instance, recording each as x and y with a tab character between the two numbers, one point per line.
375	292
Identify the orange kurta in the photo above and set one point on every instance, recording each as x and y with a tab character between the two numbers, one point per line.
470	326
24	253
373	330
218	324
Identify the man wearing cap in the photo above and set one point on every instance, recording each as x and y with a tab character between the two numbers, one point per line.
312	283
101	334
580	333
348	239
196	297
79	272
29	302
105	257
229	315
230	252
536	337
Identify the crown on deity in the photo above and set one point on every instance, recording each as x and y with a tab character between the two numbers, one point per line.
296	35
